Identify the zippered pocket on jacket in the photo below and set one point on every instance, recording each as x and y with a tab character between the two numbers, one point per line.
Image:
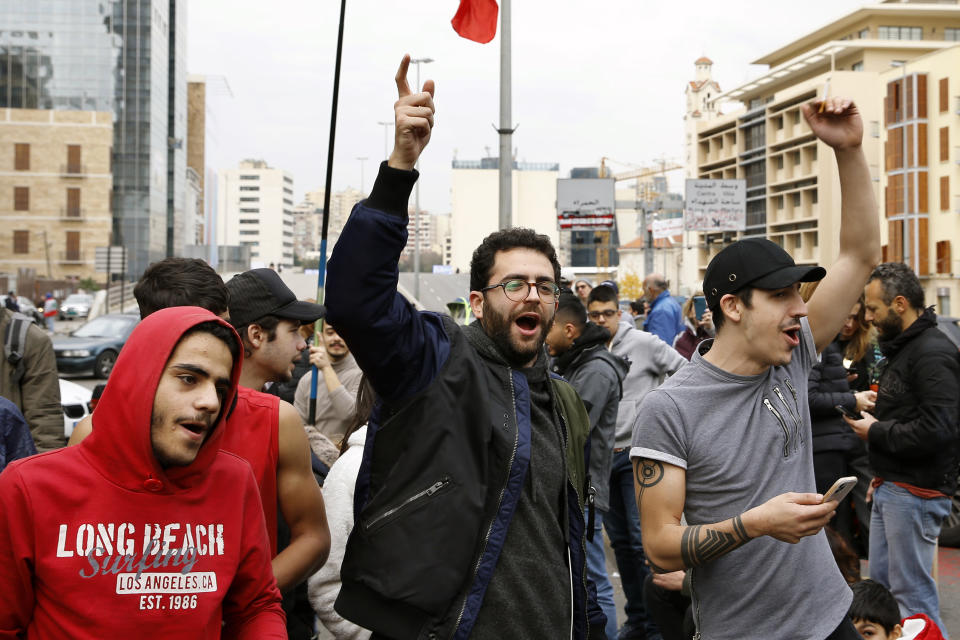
382	519
783	426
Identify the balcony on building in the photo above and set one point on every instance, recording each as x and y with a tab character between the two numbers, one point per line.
71	257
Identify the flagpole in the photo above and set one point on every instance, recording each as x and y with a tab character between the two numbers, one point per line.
505	130
322	264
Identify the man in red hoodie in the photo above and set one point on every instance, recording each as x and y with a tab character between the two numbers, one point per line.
147	528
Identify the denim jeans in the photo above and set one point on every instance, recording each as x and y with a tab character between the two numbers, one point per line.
622	522
597	572
903	533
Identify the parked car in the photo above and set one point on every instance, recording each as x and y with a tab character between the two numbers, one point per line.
94	347
75	400
950	530
77	305
27	308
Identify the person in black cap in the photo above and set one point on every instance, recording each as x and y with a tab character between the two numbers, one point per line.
267	431
726	441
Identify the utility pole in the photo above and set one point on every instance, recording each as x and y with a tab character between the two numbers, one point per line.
386	125
46	249
362	160
505	130
416	220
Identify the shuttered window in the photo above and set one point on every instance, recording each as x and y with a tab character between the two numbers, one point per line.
21	157
21	198
21	242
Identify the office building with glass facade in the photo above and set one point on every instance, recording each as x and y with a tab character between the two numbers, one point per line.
126	57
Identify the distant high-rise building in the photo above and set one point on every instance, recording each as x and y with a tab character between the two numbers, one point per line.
255	209
126	57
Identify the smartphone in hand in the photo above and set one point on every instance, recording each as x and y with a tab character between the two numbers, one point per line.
699	306
853	415
840	489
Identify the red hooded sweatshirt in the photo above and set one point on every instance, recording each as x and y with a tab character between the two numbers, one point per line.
99	541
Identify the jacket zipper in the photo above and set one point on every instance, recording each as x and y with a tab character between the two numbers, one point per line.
783	426
503	489
796	402
426	493
798	439
583	542
696	610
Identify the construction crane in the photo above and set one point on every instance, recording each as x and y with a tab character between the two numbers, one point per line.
602	237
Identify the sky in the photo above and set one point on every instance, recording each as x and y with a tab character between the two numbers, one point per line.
590	80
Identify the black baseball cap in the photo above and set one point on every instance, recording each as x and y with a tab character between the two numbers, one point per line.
261	292
756	262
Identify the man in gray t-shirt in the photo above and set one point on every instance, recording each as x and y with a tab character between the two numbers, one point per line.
725	442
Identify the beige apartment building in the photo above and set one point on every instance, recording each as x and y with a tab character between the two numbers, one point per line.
55	190
793	192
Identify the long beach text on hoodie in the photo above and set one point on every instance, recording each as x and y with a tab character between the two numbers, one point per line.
99	541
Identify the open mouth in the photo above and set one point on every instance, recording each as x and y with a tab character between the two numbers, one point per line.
528	323
196	429
793	336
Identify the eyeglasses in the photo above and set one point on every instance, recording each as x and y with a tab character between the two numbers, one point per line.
606	313
518	290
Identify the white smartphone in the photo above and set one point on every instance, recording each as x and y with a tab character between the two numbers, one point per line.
840	489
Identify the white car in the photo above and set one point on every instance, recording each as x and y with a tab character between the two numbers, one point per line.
75	400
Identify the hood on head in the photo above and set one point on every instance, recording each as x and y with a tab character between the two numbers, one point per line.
120	444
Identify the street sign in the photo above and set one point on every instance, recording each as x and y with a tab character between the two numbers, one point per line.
716	205
114	258
667	228
585	203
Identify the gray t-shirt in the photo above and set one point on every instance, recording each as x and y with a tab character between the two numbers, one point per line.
742	441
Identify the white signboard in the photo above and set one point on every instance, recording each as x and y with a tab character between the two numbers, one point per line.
113	257
668	228
585	203
716	205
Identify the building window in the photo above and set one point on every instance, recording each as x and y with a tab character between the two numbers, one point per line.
951	33
944	193
253	177
943	257
73	159
21	242
857	66
73	246
944	94
21	157
249	188
944	144
249	210
900	33
796	199
247	232
863	34
780	162
21	198
253	199
73	203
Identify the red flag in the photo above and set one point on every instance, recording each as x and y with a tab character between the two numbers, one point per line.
476	20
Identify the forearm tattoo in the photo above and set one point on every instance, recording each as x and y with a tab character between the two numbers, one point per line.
699	545
647	473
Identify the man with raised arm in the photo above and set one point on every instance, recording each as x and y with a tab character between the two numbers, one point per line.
726	441
471	491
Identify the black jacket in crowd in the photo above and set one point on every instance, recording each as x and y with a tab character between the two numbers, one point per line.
917	438
827	387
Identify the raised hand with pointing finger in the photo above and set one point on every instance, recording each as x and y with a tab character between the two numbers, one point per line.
413	113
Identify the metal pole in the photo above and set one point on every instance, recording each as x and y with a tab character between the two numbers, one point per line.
416	206
385	125
505	131
362	160
322	265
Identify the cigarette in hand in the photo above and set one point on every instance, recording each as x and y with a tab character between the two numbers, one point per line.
826	92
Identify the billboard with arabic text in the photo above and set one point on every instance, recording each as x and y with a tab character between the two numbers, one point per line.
715	205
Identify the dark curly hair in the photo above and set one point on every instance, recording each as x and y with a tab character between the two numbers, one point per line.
481	265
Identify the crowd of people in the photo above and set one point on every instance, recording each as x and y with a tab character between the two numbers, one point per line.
398	474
